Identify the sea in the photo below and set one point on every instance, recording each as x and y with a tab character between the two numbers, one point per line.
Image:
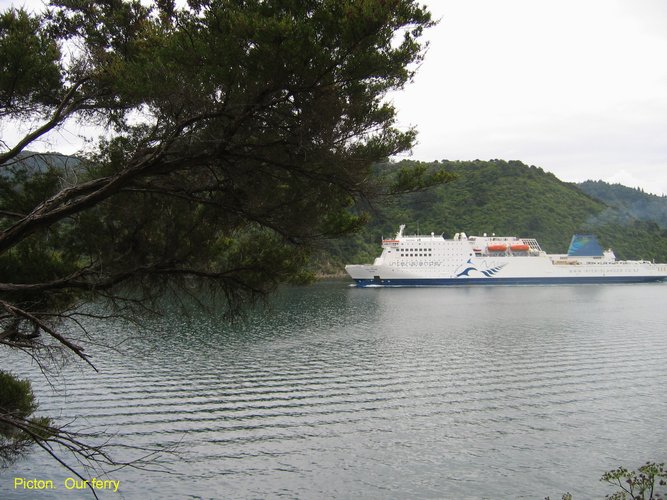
332	391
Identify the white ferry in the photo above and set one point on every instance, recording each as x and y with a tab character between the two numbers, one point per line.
430	260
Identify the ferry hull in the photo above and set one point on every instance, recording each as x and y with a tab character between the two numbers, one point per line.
533	271
561	280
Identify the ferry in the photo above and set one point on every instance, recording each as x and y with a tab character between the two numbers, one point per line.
431	260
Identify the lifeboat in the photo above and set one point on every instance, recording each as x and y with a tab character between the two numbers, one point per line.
497	247
519	247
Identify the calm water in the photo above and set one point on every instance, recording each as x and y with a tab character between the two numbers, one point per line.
338	392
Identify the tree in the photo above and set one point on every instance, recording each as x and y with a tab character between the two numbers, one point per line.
640	484
240	133
18	403
643	484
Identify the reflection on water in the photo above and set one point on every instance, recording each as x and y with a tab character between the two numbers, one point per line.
339	392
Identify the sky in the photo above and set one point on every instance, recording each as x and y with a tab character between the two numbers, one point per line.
576	87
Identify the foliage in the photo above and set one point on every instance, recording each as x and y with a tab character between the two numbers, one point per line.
566	496
17	404
240	134
634	485
635	202
29	71
640	484
243	157
502	197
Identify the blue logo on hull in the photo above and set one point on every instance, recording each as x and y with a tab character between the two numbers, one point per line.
489	272
465	273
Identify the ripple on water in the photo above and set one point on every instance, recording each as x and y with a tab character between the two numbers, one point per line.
339	392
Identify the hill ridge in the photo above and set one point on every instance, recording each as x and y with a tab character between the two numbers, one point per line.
506	198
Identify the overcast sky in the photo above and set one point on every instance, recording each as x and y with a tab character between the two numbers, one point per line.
577	87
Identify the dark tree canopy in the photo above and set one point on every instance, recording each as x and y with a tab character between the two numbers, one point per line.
239	134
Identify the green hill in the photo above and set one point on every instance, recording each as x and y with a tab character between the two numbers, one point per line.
506	198
496	196
634	202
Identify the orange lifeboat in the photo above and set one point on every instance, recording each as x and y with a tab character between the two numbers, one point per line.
519	247
498	247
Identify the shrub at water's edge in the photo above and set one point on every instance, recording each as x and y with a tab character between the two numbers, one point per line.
17	425
648	482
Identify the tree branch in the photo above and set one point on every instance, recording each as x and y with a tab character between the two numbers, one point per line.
64	109
17	312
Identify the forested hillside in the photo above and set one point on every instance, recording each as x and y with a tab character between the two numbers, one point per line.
496	196
506	198
634	202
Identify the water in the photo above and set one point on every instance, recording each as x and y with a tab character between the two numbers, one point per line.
338	392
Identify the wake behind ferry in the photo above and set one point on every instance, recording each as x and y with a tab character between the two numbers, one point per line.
430	260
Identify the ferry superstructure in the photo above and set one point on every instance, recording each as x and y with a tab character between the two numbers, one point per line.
431	260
